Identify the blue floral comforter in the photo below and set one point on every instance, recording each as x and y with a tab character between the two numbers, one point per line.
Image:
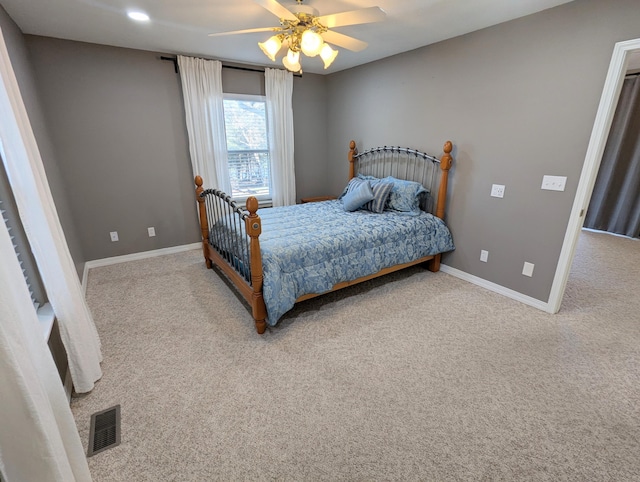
308	248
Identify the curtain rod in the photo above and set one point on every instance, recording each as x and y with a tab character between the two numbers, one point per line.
234	67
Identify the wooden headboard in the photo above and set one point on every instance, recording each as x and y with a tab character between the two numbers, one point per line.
409	164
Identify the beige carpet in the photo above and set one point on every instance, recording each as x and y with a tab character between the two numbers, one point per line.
421	376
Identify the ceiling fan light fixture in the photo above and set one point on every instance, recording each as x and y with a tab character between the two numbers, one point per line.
292	61
303	31
328	55
311	43
271	47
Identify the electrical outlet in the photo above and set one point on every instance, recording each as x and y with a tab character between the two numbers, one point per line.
114	235
484	255
554	183
497	190
152	231
527	269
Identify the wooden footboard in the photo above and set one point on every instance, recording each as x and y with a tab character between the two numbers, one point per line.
230	240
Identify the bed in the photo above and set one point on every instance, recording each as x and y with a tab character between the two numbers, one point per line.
390	216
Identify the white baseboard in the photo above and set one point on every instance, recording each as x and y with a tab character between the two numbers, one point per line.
133	257
496	288
85	274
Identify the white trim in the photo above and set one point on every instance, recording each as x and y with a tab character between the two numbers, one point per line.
599	135
134	257
83	283
46	318
496	288
245	97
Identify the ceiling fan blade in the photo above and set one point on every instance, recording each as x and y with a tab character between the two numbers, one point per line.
354	17
249	30
277	9
344	41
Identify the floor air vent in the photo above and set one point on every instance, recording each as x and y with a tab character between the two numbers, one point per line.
104	431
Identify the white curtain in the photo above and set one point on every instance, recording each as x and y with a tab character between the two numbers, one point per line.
41	224
279	93
38	436
204	113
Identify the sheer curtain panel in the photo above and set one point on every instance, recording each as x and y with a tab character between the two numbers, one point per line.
279	93
615	202
38	436
204	114
39	218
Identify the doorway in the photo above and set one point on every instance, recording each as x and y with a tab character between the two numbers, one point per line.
624	54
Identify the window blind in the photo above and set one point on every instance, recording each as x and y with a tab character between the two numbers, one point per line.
11	218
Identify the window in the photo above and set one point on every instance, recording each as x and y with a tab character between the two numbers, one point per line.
245	119
9	215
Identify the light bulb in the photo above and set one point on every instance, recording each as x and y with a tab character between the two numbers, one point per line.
311	43
293	57
271	47
292	61
328	55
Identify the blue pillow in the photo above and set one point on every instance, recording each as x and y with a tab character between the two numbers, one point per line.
359	177
404	196
357	195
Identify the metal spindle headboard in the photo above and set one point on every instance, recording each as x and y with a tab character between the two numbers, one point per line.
403	163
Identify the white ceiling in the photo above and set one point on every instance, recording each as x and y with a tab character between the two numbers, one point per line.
181	26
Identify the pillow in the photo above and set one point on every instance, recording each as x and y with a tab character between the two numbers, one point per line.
404	196
358	177
381	190
358	193
367	177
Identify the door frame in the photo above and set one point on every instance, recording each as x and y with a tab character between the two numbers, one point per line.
622	52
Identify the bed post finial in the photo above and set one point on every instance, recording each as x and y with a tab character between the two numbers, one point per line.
254	229
445	165
446	159
353	151
204	225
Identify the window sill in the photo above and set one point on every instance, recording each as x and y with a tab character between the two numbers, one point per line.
46	317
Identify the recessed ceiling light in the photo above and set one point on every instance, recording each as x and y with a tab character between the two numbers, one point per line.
138	16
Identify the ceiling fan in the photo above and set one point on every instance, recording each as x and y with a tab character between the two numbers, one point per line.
302	29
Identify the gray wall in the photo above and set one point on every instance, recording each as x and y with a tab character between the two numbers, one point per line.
310	144
117	120
21	64
518	100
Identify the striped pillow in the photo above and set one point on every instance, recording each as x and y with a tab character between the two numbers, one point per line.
381	191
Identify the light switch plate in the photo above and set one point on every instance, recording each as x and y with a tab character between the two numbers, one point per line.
554	183
527	269
497	190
